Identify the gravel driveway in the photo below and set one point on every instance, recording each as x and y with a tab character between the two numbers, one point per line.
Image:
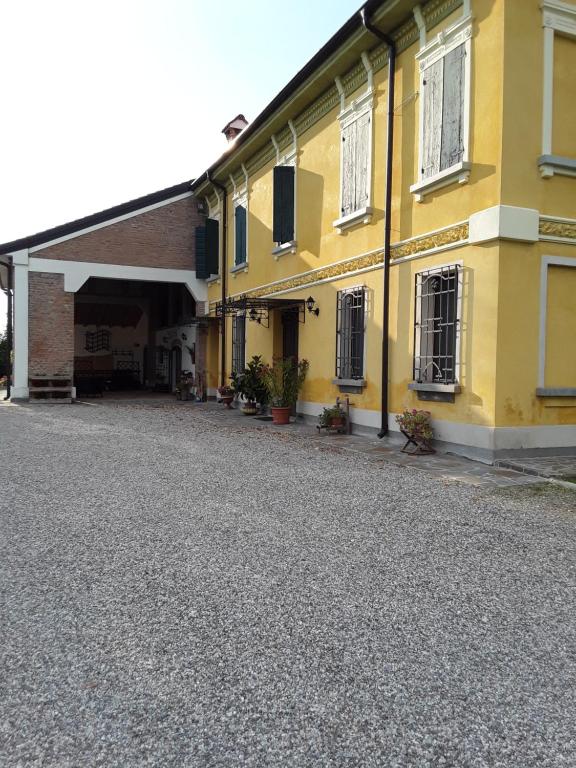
177	591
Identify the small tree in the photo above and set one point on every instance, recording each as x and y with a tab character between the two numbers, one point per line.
284	380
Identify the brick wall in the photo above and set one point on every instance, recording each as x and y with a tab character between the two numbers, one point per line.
51	326
163	237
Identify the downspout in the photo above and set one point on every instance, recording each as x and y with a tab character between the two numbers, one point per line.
222	188
387	216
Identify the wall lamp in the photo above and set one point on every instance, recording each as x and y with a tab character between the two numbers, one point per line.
311	306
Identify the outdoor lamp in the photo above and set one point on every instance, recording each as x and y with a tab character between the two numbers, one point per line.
310	306
252	314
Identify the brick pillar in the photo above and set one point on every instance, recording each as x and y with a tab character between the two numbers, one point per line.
50	326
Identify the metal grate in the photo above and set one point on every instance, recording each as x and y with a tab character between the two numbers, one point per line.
436	325
238	343
97	341
350	333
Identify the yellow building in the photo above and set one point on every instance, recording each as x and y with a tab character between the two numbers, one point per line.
465	220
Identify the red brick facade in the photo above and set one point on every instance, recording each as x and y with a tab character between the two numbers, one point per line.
50	326
163	237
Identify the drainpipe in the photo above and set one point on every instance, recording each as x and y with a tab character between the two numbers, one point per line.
222	188
387	215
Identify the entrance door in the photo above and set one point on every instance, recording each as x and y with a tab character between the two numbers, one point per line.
290	323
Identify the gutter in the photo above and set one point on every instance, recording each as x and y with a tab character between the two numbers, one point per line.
222	188
387	215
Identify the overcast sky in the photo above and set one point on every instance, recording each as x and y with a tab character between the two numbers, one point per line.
107	100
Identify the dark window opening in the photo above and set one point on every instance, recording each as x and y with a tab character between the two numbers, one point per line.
238	343
350	333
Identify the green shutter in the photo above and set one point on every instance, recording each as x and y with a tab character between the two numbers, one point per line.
212	246
283	224
201	269
240	223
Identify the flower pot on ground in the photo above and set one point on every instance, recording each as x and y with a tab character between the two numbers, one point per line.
284	380
226	395
416	427
250	387
332	418
185	385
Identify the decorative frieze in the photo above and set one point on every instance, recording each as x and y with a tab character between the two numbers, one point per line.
566	230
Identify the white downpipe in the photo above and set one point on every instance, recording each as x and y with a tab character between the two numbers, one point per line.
20	384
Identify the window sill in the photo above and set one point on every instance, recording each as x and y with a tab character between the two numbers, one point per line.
363	215
458	173
556	164
214	280
431	387
349	382
239	268
556	392
283	249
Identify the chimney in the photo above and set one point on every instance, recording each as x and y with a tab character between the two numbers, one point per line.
235	127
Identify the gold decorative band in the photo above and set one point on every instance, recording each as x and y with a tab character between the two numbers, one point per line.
564	229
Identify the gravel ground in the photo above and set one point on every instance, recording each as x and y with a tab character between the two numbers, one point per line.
177	591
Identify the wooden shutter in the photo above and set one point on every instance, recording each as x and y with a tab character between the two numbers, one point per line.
200	247
348	173
212	246
283	220
432	87
363	126
240	235
453	108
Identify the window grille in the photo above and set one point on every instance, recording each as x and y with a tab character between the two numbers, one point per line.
97	341
437	326
238	343
350	333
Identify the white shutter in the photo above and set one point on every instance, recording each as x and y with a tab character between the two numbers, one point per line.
363	126
432	92
453	108
348	163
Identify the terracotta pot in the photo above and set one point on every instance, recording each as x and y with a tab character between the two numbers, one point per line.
337	422
227	400
281	415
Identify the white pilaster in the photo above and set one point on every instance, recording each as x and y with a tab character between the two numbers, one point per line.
20	384
548	91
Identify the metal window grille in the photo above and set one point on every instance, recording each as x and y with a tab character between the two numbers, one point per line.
350	333
436	325
97	341
238	343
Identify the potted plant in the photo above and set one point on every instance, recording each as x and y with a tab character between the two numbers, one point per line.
283	381
416	428
226	395
185	385
333	417
250	386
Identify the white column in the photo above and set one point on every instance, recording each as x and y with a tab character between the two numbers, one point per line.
20	385
548	91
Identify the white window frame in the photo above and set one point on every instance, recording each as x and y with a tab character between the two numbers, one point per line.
357	108
288	158
459	33
240	197
361	382
432	386
214	212
559	17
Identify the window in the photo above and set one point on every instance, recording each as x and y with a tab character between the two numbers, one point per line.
207	249
437	320
97	341
283	215
355	162
238	343
444	97
240	249
351	305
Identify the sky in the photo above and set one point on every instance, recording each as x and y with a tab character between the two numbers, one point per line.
107	100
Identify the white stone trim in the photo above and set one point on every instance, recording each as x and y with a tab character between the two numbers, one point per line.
504	222
557	17
547	261
110	222
363	215
444	42
457	173
20	261
421	24
76	273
